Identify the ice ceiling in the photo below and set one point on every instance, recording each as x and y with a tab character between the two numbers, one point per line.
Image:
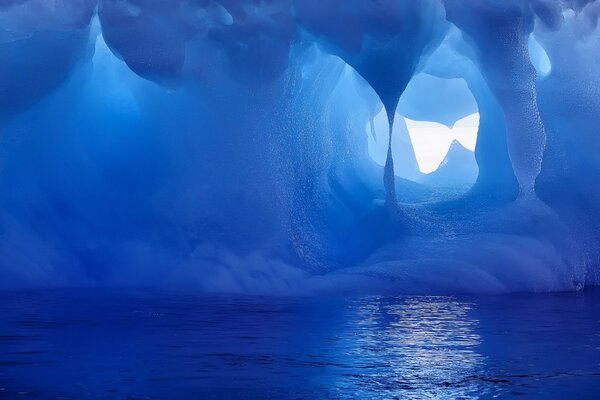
244	145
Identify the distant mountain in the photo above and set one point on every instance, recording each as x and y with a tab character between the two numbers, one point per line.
459	168
405	160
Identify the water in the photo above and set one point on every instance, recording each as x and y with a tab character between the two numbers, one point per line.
118	344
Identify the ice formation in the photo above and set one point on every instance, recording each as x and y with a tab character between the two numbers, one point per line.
232	145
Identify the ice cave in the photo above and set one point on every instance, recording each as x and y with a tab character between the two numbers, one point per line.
244	146
300	148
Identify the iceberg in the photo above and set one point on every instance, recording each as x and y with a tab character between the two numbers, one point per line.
246	146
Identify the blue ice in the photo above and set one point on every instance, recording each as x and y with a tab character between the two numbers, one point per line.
267	146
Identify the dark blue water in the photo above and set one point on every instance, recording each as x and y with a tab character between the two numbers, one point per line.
105	344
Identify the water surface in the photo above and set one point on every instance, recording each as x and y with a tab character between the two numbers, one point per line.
123	344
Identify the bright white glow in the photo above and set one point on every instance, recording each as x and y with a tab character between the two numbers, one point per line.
431	140
539	58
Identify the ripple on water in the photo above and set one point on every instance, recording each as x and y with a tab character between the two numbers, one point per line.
123	344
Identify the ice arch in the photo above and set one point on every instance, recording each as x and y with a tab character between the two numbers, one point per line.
237	159
497	30
421	148
435	137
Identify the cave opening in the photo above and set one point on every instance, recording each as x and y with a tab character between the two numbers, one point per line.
434	137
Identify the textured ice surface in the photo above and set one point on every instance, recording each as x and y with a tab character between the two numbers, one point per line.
231	146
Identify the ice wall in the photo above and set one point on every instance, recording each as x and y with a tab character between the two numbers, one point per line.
223	145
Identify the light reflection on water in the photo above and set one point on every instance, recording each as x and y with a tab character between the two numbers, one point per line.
430	345
124	345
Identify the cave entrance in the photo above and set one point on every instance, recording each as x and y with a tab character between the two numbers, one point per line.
434	136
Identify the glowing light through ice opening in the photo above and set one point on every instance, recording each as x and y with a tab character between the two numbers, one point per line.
431	140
